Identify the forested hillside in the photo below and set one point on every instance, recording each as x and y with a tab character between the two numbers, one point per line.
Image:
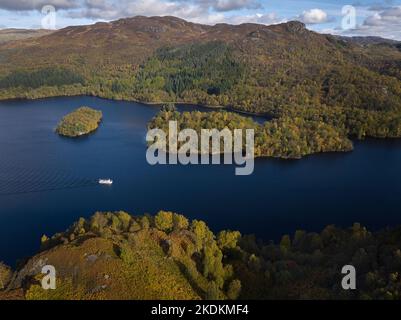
118	256
282	70
288	138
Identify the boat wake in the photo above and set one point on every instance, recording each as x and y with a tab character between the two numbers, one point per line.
14	181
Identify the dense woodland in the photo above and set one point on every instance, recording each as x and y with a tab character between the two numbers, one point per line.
39	78
119	256
357	101
282	70
80	122
285	137
209	68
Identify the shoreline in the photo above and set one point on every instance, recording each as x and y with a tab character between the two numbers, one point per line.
147	103
192	104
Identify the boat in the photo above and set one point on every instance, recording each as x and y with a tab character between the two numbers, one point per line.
106	181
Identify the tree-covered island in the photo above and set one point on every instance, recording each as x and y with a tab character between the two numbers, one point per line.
80	122
287	138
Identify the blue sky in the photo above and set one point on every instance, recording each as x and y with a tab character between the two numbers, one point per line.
373	17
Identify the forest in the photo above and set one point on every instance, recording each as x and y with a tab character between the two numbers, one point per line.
51	77
356	100
82	121
115	255
288	138
281	71
210	68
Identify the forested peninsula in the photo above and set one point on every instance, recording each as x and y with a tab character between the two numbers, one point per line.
115	255
286	137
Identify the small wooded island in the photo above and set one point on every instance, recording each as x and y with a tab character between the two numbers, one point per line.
80	122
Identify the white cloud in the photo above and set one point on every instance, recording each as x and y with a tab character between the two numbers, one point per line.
210	19
206	10
384	23
388	17
314	16
110	10
230	5
266	18
200	11
27	5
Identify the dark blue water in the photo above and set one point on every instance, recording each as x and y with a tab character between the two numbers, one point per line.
47	182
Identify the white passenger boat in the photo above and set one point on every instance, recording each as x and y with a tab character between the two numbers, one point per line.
106	181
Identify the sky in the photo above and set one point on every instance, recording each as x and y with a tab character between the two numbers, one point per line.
344	17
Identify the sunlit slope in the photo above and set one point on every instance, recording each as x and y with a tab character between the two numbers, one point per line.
275	65
119	256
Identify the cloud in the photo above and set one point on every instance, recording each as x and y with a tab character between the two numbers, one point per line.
230	5
388	17
384	23
267	18
113	9
314	16
27	5
110	10
202	11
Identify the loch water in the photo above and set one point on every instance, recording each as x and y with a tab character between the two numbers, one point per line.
47	182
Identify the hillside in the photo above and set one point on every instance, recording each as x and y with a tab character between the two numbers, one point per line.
283	138
7	35
282	70
371	40
119	256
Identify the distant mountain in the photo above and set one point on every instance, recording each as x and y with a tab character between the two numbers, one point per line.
370	40
133	40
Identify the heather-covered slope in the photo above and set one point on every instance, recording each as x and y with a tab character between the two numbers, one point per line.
7	35
280	70
118	256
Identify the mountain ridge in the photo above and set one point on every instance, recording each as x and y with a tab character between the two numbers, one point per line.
159	25
15	34
278	70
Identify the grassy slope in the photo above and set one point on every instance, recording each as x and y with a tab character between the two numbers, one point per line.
7	35
113	256
101	273
117	256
